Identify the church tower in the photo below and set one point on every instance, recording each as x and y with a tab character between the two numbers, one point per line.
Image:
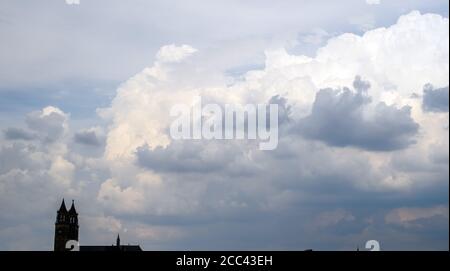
66	226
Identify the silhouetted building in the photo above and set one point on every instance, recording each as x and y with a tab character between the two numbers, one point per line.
66	229
66	226
117	247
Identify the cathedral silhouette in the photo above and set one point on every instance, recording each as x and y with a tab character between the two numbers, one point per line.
66	231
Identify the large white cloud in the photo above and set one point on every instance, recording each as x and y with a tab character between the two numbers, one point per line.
397	61
151	174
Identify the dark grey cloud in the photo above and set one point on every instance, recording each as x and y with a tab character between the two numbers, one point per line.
338	118
13	133
89	138
435	100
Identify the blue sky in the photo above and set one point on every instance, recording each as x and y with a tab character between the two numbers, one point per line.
363	152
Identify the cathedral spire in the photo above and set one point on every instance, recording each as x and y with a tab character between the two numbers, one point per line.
63	207
72	208
118	240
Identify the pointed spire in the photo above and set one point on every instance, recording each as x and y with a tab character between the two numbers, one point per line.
63	207
72	208
118	240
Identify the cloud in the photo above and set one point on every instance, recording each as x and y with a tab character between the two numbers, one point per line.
331	218
181	157
363	22
284	109
103	223
90	137
317	36
46	126
18	134
435	100
173	53
199	157
229	180
16	156
343	118
50	123
296	78
411	216
62	170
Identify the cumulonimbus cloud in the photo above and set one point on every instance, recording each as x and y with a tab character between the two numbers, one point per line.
145	175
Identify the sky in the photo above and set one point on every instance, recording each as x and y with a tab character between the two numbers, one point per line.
363	87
